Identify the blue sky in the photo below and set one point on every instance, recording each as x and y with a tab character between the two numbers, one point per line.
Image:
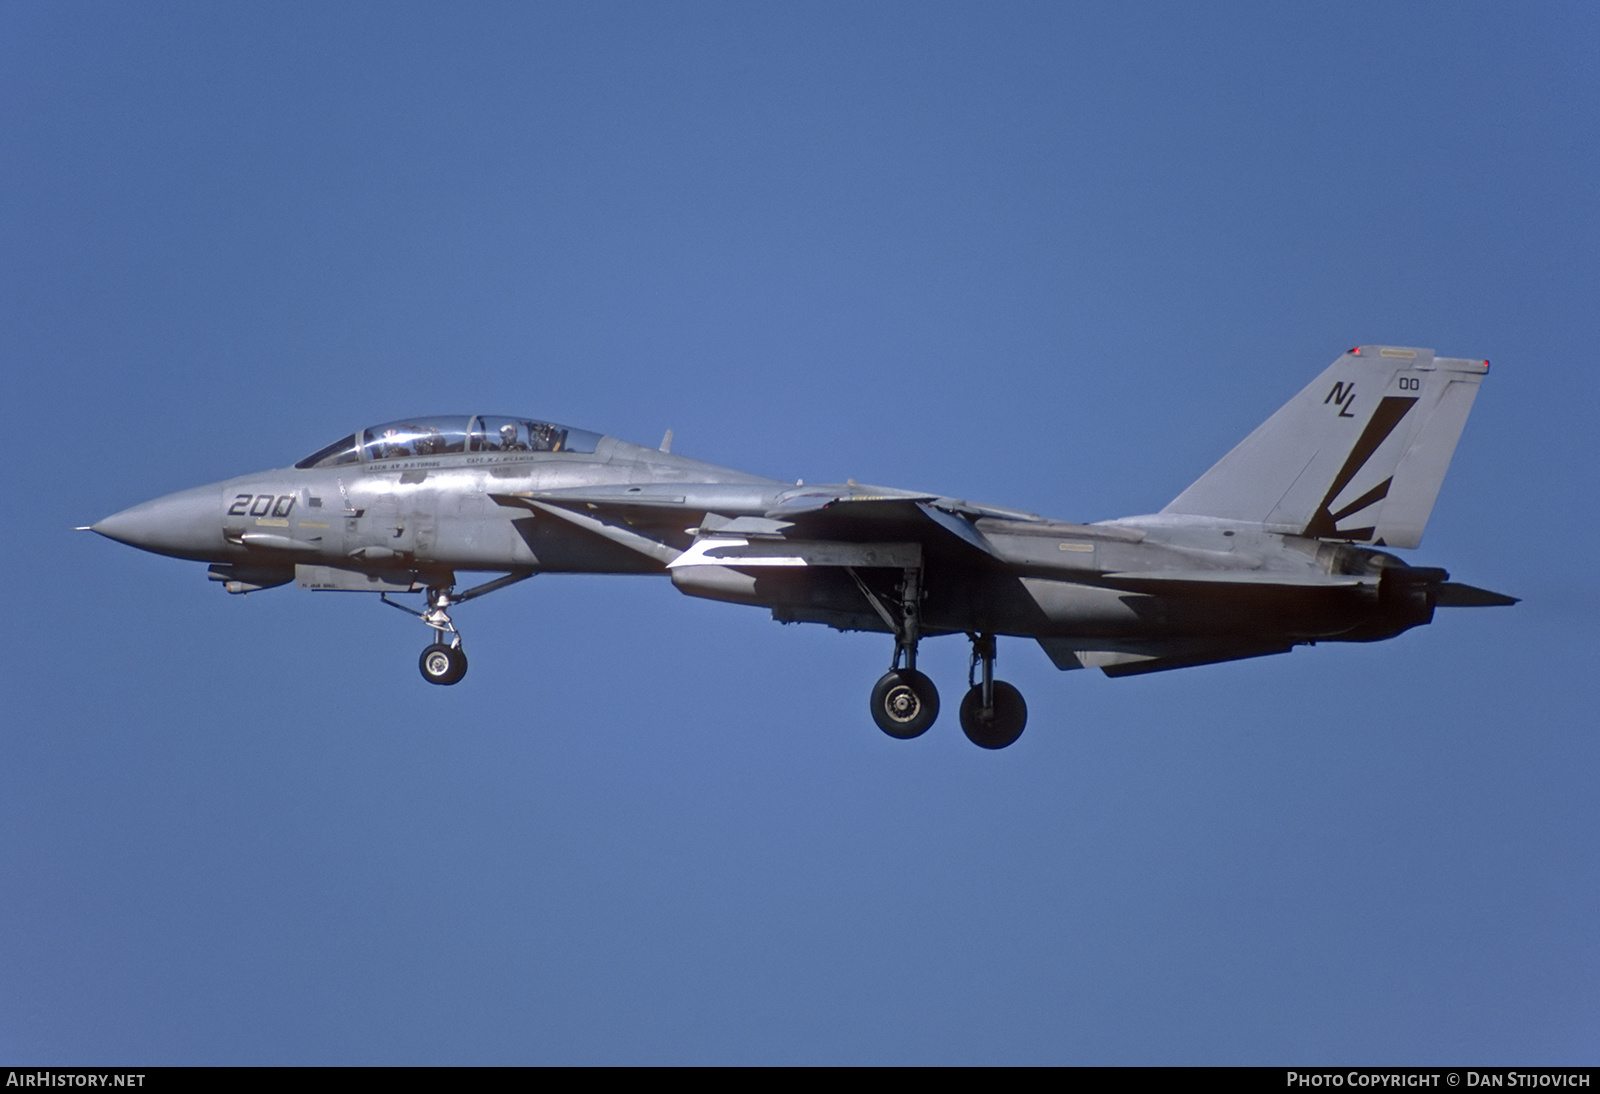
1059	257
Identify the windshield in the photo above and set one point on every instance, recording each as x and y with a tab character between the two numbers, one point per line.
343	450
411	438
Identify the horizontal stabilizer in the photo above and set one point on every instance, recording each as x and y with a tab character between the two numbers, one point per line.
1134	659
1455	595
1212	656
1171	580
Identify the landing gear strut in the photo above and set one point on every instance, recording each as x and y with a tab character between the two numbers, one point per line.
444	661
904	701
993	714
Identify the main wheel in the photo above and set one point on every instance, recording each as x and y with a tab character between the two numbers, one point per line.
905	703
443	664
999	726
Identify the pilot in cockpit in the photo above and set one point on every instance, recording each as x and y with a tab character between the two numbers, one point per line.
544	437
508	439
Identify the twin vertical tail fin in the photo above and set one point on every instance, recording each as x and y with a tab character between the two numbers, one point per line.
1357	456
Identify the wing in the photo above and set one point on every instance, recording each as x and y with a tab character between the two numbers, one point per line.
717	524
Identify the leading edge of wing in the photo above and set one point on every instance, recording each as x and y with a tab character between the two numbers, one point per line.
824	512
815	513
871	500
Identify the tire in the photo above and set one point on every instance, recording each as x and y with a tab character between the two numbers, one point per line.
441	664
996	728
904	704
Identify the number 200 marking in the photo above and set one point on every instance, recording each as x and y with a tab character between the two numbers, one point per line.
264	503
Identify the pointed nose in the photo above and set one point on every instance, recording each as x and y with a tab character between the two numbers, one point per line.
187	524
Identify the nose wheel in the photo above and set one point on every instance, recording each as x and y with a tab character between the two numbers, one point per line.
443	664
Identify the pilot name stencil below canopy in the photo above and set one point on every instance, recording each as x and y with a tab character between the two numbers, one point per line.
1276	546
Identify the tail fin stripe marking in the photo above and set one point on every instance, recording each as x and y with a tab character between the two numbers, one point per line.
1377	493
1384	419
1391	409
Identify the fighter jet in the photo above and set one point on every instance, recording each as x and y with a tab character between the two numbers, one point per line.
1278	545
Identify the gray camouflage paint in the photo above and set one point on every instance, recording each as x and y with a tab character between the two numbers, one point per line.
1275	546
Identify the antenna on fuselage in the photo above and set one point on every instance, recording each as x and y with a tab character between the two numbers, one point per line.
666	442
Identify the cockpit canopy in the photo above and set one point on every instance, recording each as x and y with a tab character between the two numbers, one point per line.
448	435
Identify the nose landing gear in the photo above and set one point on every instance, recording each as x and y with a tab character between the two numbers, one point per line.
444	662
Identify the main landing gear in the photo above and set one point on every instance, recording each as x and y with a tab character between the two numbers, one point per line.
444	661
905	702
993	714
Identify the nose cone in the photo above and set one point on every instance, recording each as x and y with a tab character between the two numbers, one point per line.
187	524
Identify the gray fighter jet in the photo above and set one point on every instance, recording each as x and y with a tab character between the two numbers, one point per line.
1274	547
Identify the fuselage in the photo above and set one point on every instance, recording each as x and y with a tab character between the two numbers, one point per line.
376	517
